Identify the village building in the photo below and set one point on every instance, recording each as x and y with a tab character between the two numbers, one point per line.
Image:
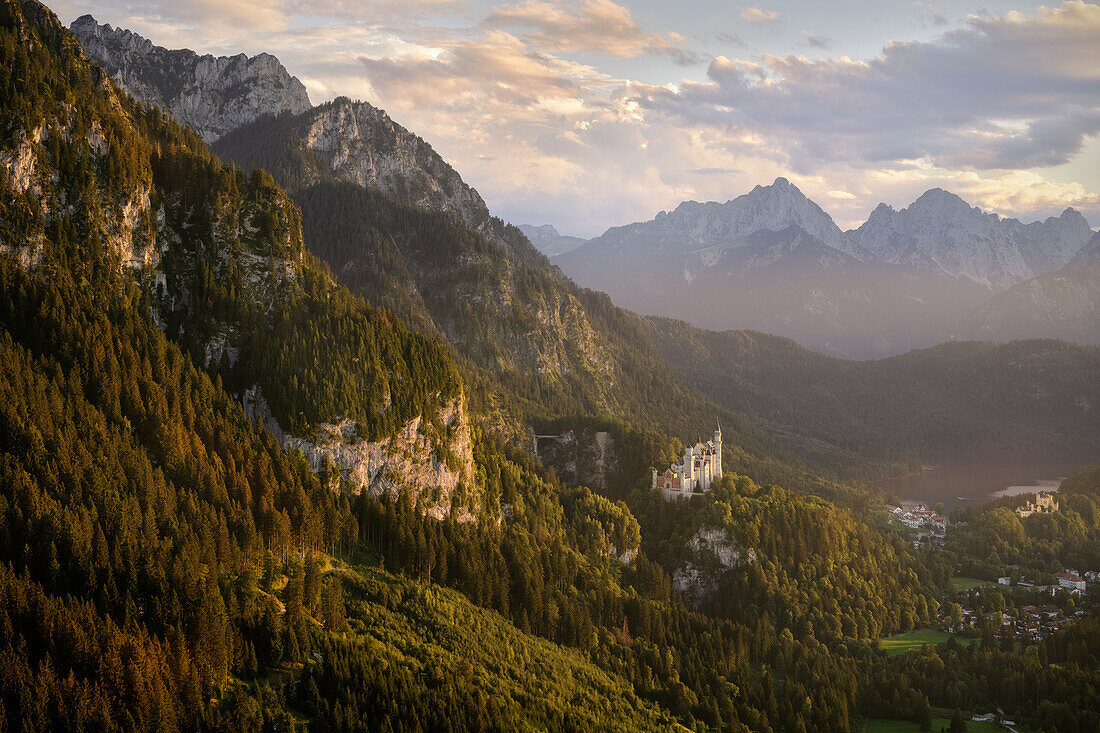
1071	582
701	466
1044	504
918	515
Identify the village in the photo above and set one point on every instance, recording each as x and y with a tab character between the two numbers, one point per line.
931	525
1023	612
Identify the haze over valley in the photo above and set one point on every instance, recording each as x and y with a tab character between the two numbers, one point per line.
772	260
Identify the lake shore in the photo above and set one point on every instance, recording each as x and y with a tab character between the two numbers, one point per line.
1040	486
963	484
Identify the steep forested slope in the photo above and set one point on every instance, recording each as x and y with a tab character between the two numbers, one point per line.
98	182
454	271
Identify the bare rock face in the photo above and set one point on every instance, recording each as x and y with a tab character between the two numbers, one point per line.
588	459
361	143
1061	304
713	554
940	231
212	95
408	461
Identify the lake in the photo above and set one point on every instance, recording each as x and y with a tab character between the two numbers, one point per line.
974	483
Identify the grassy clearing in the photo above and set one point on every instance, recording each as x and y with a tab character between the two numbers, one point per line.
902	643
958	584
905	726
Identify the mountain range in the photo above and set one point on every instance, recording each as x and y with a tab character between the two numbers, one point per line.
773	260
265	457
1065	302
398	225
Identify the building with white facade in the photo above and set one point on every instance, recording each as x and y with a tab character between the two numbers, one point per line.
1071	582
700	467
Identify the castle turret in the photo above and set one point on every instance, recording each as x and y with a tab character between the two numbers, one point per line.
718	449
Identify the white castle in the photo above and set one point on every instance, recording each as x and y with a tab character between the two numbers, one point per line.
702	464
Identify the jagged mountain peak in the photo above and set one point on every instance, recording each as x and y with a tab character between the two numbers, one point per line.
882	210
945	206
212	95
354	141
779	184
765	208
780	187
941	231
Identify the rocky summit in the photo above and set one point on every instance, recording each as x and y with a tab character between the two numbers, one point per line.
212	95
773	260
355	142
941	231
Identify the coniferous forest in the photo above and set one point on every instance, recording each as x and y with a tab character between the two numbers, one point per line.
168	564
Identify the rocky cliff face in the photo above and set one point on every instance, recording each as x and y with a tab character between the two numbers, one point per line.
1062	304
361	144
940	231
712	556
355	142
212	95
28	170
413	460
588	459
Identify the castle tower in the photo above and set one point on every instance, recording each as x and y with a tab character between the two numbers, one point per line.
718	449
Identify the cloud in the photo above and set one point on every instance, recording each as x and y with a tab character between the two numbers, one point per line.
1023	192
756	15
217	19
818	41
377	12
996	93
591	25
730	38
496	73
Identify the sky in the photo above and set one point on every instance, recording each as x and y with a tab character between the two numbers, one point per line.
594	113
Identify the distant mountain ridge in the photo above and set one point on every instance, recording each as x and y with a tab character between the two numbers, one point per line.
941	231
211	95
1065	302
693	225
904	279
549	241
